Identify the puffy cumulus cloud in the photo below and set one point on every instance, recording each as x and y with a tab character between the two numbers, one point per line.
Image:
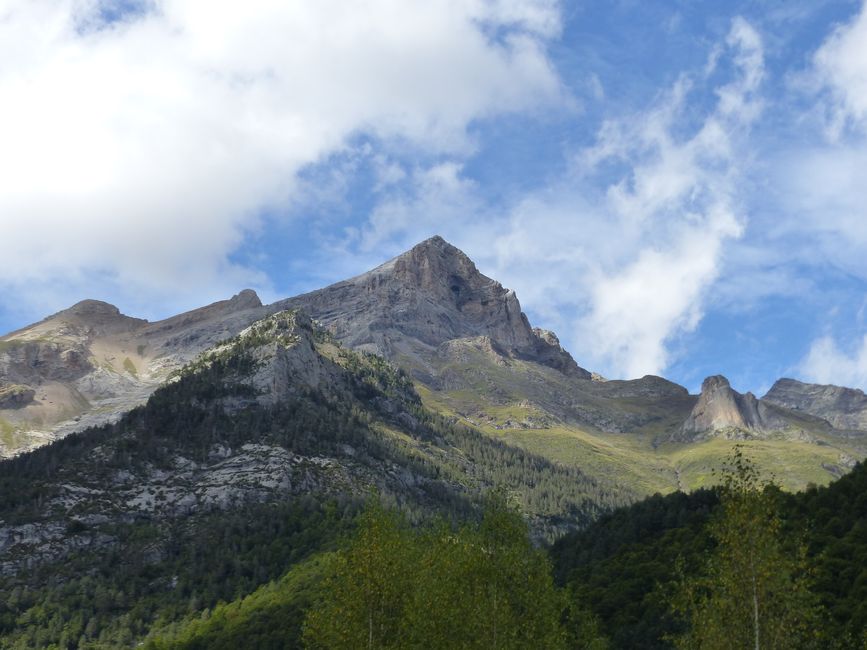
826	363
841	67
637	311
142	140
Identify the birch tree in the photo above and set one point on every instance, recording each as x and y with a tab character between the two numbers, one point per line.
754	593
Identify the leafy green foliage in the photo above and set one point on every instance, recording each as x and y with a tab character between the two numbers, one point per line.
753	593
268	619
480	586
629	565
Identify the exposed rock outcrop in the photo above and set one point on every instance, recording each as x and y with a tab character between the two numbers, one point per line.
720	408
843	408
15	396
649	386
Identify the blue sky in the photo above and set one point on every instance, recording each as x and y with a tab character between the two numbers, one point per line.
675	188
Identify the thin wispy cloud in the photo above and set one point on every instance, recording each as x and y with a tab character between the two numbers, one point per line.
831	191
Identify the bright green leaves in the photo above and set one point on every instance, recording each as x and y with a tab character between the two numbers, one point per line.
366	588
754	592
481	586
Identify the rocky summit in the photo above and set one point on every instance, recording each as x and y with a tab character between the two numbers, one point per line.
431	295
843	408
720	408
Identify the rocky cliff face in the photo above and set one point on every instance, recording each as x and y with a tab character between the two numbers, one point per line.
277	411
428	296
843	408
720	408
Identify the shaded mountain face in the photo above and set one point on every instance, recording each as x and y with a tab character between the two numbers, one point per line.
843	408
429	296
463	337
277	412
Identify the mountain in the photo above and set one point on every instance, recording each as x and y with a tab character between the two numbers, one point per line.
720	410
89	364
842	408
253	456
195	458
432	295
472	355
278	411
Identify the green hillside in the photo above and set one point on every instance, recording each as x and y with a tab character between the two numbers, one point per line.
564	420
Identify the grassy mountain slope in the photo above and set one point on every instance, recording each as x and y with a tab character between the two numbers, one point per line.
619	428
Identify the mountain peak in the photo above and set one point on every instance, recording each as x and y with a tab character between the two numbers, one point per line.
427	296
720	407
435	242
843	408
715	383
91	314
92	308
245	299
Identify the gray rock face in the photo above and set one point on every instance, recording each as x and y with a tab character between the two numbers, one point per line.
842	408
719	407
431	294
291	363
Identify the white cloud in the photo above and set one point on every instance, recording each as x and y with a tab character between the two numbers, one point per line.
644	255
821	221
437	195
826	363
660	294
623	271
841	67
142	150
